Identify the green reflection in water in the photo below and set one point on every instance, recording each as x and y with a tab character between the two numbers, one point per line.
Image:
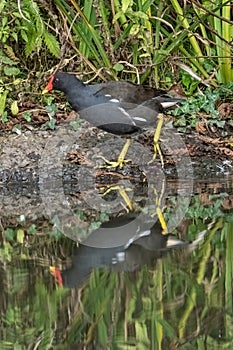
181	300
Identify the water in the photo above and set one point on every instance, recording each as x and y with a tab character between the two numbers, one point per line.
124	287
153	269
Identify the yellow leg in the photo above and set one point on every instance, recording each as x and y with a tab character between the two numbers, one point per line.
162	220
121	159
159	211
123	194
156	139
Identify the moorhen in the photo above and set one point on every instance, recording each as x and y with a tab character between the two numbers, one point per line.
118	107
122	244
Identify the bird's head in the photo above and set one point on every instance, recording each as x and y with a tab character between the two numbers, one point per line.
61	81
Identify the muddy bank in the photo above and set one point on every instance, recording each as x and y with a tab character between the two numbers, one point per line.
63	164
84	145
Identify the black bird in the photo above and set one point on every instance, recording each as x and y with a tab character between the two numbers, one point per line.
118	107
122	244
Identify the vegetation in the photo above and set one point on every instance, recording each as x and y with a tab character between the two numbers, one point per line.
183	300
142	41
205	108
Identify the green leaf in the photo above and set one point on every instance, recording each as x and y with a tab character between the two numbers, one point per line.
51	123
15	36
32	41
2	4
75	124
4	118
117	16
126	4
139	14
20	236
17	81
3	101
118	67
27	116
51	109
17	129
10	234
52	44
4	21
134	29
32	229
11	71
14	108
24	35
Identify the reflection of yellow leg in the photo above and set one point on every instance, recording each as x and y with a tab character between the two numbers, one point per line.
121	159
156	139
123	194
159	210
162	220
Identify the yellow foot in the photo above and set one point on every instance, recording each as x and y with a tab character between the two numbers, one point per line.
121	159
122	192
113	164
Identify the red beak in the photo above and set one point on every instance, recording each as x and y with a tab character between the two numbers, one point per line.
56	272
49	86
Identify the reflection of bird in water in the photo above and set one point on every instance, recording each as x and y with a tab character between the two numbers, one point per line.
123	244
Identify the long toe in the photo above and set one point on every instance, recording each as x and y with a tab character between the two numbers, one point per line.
119	163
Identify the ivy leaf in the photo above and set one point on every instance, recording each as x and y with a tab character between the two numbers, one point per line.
27	116
32	229
17	129
51	124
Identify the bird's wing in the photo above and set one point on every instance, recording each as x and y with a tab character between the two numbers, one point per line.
113	91
111	117
124	91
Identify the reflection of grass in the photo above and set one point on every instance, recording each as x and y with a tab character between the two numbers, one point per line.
155	307
204	255
28	319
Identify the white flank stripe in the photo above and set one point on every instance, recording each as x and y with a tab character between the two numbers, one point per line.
137	236
140	119
108	95
114	100
168	104
124	111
